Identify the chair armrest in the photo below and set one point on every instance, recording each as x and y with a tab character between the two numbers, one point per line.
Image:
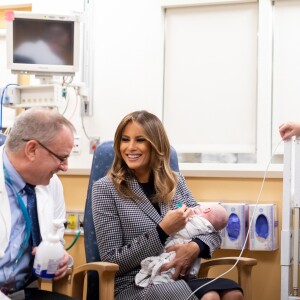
244	267
106	272
243	262
61	286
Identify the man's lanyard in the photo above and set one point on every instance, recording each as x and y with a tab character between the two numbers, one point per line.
24	213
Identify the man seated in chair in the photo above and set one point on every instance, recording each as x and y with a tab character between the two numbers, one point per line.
37	147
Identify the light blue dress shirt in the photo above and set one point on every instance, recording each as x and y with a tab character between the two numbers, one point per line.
15	275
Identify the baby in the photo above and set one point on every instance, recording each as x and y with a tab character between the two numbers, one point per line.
204	219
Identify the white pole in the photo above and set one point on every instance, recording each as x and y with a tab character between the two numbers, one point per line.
296	206
295	251
286	232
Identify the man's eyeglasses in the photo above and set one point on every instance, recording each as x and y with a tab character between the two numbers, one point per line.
61	158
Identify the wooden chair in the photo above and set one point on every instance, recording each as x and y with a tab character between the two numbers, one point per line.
244	268
73	283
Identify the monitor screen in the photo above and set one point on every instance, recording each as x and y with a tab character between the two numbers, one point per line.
43	44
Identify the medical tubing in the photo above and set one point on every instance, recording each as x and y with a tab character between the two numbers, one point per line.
247	235
74	241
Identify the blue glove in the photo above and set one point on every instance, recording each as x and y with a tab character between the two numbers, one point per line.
233	227
262	226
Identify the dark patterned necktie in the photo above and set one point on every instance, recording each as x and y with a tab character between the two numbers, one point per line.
32	211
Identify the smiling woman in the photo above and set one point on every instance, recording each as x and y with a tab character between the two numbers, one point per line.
135	151
134	211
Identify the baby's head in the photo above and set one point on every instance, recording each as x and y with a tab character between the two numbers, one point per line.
216	214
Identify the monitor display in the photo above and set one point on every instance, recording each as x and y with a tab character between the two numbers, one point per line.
43	44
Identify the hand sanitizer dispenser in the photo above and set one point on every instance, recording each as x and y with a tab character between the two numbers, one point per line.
49	254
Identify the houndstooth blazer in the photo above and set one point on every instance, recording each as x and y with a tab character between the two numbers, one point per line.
126	234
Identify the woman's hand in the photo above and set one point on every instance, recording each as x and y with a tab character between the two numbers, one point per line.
175	219
186	255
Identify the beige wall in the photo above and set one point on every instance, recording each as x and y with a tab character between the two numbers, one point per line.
266	275
75	189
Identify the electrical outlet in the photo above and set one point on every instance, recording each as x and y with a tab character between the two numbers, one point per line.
74	222
71	221
76	149
86	107
80	220
94	142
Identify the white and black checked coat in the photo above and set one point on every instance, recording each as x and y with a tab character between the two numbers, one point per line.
126	234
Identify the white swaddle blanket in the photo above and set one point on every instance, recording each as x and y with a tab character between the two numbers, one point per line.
150	266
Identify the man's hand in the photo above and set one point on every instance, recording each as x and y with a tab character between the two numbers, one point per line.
66	262
186	255
63	266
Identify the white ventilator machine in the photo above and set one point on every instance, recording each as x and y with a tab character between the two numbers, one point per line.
290	221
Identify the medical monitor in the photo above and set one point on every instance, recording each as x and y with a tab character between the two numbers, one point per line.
43	44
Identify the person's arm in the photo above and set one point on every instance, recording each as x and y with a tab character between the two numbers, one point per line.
289	129
58	204
162	235
59	212
204	249
125	233
202	246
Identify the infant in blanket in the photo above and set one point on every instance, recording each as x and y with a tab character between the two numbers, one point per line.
204	219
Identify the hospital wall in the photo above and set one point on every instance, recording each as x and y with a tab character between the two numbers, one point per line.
265	276
128	76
